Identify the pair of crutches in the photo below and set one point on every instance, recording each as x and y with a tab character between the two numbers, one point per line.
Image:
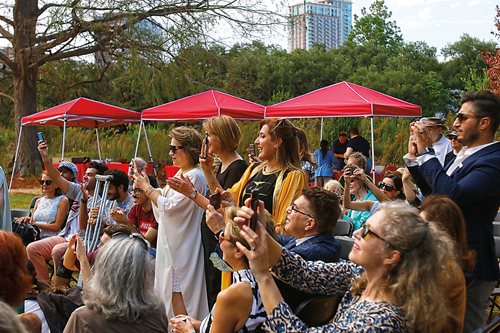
93	231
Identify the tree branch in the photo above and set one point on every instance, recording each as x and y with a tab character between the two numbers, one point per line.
7	20
7	96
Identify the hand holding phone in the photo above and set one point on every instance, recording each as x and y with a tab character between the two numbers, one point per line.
253	204
251	150
215	200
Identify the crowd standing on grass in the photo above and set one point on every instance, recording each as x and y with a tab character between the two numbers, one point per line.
252	242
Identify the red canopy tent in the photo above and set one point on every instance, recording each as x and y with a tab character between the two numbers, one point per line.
81	112
343	99
205	105
201	106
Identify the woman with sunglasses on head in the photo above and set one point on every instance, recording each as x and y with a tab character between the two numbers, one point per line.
179	274
392	283
50	211
238	308
119	295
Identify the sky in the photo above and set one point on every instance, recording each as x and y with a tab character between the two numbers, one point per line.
437	22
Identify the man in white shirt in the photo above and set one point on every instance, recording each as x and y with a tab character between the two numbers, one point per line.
440	143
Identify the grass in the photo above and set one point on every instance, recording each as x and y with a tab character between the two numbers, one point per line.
21	200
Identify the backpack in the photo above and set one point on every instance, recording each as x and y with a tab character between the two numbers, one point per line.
28	232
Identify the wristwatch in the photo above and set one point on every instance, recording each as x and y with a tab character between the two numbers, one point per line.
193	194
427	150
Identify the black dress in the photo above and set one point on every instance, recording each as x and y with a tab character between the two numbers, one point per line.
226	179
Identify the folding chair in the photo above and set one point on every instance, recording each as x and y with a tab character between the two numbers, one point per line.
18	212
494	301
492	327
32	205
346	244
343	228
319	310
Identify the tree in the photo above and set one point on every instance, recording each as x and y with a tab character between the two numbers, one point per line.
492	59
374	27
43	32
463	60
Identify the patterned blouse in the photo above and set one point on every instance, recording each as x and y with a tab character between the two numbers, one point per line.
46	212
318	277
257	314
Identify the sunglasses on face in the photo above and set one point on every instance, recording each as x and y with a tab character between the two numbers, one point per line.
387	187
462	117
174	149
45	182
452	137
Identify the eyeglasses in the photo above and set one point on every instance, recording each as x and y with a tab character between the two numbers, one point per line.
462	117
387	187
134	235
293	208
452	137
137	191
174	149
367	231
45	182
221	238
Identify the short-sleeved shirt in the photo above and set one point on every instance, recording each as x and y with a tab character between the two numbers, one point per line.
339	148
359	144
143	220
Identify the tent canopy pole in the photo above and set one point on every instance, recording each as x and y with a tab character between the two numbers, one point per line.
64	139
98	143
149	150
15	157
373	147
138	139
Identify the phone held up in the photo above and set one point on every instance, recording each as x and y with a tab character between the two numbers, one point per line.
204	147
251	149
40	136
214	200
253	204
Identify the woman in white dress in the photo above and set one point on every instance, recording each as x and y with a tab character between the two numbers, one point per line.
179	271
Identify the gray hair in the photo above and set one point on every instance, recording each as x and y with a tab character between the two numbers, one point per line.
140	162
121	286
9	322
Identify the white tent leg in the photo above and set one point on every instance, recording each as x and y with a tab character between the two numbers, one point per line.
373	148
15	157
64	139
138	139
149	150
321	130
98	143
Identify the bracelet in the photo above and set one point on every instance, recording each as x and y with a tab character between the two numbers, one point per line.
210	185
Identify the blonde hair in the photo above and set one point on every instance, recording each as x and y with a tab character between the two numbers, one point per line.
415	282
226	129
336	187
234	230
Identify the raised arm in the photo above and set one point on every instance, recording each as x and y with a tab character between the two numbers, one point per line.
347	202
53	173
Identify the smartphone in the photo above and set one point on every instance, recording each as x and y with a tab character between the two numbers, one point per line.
251	148
204	147
214	200
40	136
254	203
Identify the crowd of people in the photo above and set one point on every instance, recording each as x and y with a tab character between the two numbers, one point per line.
231	246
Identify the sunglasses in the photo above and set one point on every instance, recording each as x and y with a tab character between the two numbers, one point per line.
293	208
462	117
174	149
45	182
387	187
366	231
452	137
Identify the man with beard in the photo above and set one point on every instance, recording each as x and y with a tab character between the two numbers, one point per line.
472	180
54	247
119	203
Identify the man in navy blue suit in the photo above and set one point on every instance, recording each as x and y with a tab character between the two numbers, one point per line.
472	180
310	222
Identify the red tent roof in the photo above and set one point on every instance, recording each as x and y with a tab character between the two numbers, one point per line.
343	99
82	112
205	105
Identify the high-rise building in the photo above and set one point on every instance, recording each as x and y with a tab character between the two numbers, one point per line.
326	22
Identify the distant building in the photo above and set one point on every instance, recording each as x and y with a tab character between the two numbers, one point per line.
326	22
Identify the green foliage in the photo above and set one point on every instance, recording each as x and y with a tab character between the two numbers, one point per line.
20	200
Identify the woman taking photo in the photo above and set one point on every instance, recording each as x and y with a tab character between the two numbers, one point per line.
238	308
278	179
179	274
392	283
50	211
